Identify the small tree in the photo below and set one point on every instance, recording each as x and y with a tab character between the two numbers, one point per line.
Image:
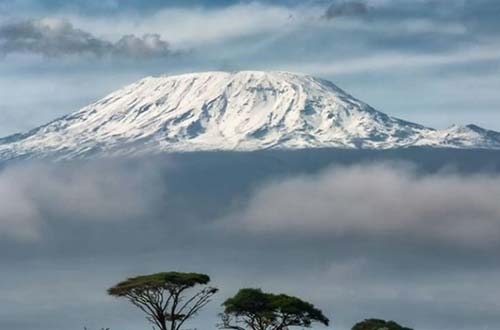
257	310
376	324
163	296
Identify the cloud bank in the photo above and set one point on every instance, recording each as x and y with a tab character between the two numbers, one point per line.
54	37
378	239
380	200
38	196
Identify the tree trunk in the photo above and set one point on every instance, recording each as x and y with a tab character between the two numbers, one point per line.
163	323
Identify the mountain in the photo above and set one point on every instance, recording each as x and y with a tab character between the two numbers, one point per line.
238	111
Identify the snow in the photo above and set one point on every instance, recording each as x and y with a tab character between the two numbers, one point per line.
243	111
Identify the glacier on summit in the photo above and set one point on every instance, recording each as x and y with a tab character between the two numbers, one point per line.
236	111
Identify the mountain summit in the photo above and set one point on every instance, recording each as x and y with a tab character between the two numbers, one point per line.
241	111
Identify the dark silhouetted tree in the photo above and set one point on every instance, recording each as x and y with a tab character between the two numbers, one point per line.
164	296
257	310
376	324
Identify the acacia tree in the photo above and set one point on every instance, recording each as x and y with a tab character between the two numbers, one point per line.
163	296
377	324
257	310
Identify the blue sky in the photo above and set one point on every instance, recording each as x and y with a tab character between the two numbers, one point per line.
430	61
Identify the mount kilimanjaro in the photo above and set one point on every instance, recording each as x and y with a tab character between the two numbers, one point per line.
238	111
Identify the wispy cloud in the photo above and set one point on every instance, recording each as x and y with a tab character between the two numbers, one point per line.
402	61
199	26
346	8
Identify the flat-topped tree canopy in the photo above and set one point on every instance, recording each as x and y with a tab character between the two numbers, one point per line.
260	311
302	310
378	324
166	298
248	300
159	280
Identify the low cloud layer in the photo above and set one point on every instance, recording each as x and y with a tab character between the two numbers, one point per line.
413	243
54	37
38	196
380	200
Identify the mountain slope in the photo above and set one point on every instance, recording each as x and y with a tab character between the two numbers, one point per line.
248	110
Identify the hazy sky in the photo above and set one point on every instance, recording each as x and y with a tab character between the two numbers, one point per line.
436	62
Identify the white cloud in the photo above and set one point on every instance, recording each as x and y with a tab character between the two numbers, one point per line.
33	195
385	61
198	26
379	200
19	216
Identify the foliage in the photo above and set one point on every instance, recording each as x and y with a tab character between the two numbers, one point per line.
163	296
257	310
377	324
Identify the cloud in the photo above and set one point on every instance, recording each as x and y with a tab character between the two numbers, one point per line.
379	200
236	218
402	61
19	215
198	26
37	196
481	17
149	45
346	8
55	37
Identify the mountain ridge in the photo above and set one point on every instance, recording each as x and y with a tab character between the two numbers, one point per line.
234	111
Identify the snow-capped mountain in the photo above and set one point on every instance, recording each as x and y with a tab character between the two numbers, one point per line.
241	111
